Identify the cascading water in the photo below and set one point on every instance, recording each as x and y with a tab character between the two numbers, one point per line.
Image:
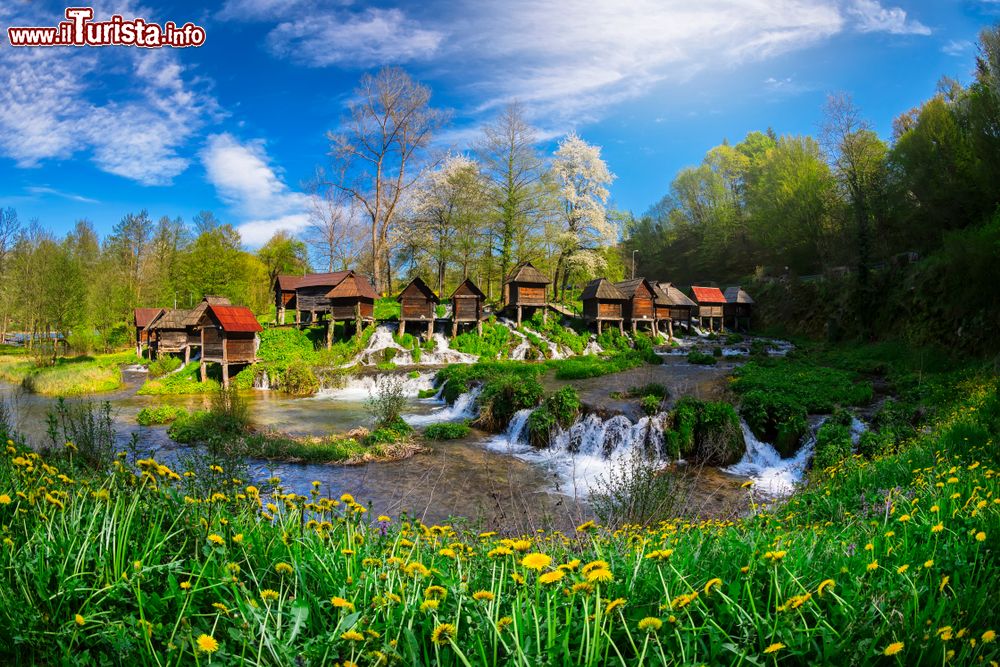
380	341
593	348
465	407
443	354
774	476
588	449
361	387
262	381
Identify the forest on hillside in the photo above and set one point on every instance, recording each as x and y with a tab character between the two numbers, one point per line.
845	203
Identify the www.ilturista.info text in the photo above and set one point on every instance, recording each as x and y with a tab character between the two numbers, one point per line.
81	30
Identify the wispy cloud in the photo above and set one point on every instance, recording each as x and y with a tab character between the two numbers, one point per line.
42	190
245	179
871	16
958	47
134	125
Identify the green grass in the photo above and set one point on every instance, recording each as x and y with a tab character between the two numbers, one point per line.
330	449
187	381
818	388
67	376
495	342
701	358
895	551
387	308
161	414
447	431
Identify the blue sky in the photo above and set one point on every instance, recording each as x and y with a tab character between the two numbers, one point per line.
238	125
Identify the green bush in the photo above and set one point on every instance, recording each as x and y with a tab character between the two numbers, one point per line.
299	380
702	358
494	342
559	409
707	432
460	378
818	388
503	395
164	364
650	404
447	431
559	334
388	433
589	366
283	346
833	445
186	381
161	414
776	419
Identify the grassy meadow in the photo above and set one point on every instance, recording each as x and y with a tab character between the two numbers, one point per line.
883	560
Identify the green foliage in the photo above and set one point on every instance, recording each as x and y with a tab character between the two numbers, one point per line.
388	433
650	404
493	344
220	428
333	449
817	388
299	380
588	366
281	346
704	431
387	401
67	376
504	394
447	431
165	363
187	381
559	334
160	414
460	378
83	429
560	409
833	445
639	492
701	358
775	418
387	308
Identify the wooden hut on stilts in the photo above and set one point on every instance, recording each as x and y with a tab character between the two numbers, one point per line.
672	307
603	302
467	306
638	308
739	307
417	303
525	288
353	298
228	337
711	304
140	320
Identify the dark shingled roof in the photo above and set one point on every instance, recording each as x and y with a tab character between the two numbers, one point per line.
287	283
602	289
143	316
468	288
424	289
194	316
526	273
171	318
668	295
737	295
351	286
321	279
708	295
629	287
235	319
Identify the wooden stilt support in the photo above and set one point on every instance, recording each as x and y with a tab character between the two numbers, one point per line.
598	327
479	327
281	316
187	355
621	327
670	329
634	328
298	317
204	372
430	329
454	328
402	327
545	314
357	319
329	332
225	375
519	316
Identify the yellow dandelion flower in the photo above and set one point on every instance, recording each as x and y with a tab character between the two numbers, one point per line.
283	568
80	620
937	528
980	536
428	605
902	569
5	499
499	551
520	545
185	585
872	566
352	636
989	636
928	564
650	624
825	585
596	565
268	594
712	583
584	527
614	604
217	540
443	633
536	561
483	596
435	592
893	648
503	622
551	577
600	576
207	644
341	603
774	648
944	582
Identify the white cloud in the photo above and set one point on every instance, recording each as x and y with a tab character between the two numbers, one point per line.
373	37
957	47
42	190
245	180
134	125
873	17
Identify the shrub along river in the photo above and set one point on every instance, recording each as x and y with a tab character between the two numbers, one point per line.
490	479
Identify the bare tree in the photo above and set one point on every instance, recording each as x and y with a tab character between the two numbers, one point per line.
378	153
333	232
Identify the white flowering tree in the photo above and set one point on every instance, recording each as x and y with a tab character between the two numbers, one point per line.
582	179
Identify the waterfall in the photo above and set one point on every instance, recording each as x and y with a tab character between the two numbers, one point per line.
465	407
774	476
361	387
515	439
443	354
593	348
380	341
587	450
262	381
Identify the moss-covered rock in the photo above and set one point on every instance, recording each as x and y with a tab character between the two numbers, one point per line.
704	431
776	419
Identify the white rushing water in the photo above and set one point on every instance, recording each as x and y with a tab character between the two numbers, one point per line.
361	387
463	408
382	340
773	475
262	381
593	348
443	354
586	451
